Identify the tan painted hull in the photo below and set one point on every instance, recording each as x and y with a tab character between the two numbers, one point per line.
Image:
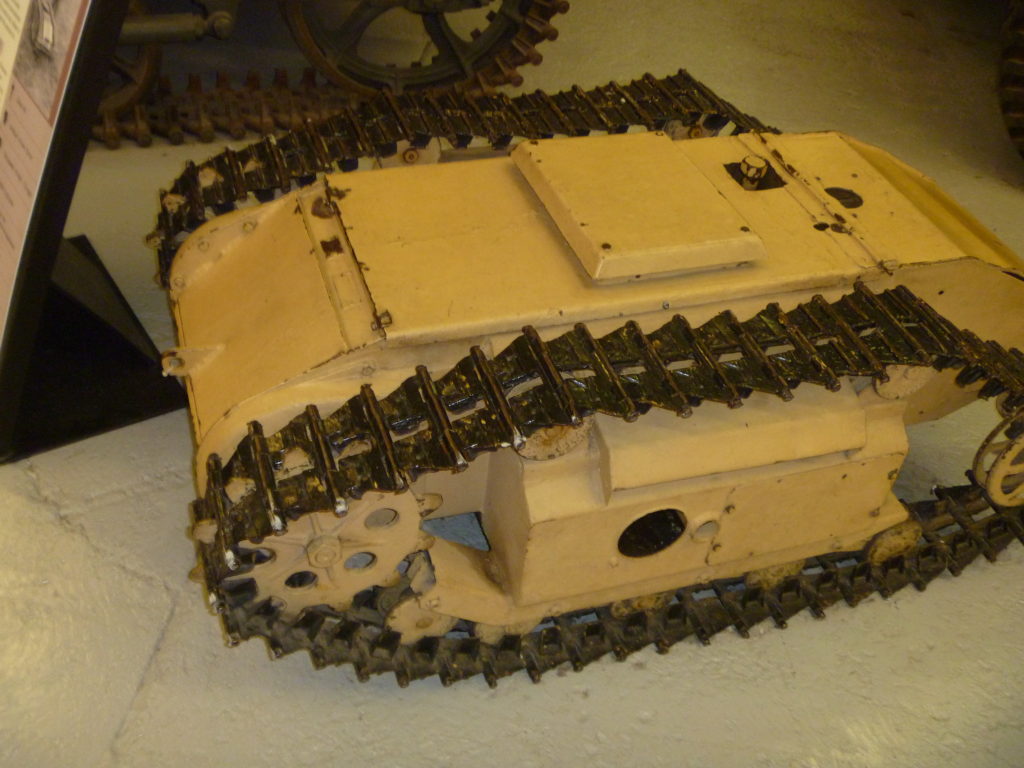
360	278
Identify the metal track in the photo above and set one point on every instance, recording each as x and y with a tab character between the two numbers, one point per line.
1011	75
254	108
434	424
130	110
343	134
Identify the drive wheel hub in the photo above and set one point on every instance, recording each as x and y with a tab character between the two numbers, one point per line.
323	551
326	559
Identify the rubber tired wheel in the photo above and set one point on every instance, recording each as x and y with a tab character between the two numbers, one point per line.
455	44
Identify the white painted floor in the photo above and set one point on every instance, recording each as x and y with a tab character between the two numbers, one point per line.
109	658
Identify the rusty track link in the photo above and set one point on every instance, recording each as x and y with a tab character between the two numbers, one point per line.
204	111
722	361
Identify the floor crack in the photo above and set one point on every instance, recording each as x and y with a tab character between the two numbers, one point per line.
143	677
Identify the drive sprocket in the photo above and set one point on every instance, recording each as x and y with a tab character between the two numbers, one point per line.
333	39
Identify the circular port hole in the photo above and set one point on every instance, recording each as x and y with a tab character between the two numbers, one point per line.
300	580
706	531
652	533
360	561
381	518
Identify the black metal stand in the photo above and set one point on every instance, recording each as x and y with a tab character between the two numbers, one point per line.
92	367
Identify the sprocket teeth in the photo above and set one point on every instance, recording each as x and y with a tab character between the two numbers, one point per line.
527	50
508	71
540	25
553	7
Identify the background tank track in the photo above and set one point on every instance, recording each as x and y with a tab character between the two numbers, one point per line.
132	108
817	342
281	106
1011	75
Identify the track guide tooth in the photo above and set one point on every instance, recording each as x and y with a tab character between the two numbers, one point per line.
681	336
324	458
972	534
565	411
695	616
873	365
390	476
496	400
670	395
891	326
807	353
770	379
812	599
262	473
739	623
439	421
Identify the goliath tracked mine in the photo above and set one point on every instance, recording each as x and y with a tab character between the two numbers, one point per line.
670	379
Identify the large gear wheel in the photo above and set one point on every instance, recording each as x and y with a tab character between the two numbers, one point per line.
133	72
334	36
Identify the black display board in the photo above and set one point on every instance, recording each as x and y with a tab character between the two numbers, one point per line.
73	359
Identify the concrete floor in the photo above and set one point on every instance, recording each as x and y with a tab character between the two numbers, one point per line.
108	656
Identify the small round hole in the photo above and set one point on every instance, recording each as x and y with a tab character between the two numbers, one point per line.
381	518
652	533
360	561
300	579
606	246
706	531
821	226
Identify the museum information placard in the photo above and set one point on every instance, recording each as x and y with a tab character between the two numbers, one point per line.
38	43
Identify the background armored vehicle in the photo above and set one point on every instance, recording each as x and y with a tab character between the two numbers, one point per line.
358	48
512	341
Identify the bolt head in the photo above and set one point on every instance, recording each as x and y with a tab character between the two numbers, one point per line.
754	166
